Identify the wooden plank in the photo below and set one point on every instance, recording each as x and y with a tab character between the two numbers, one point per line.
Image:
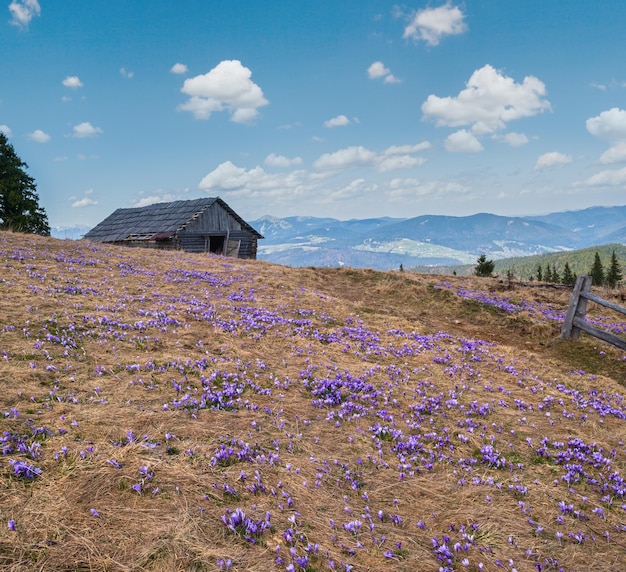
601	334
605	303
577	308
232	248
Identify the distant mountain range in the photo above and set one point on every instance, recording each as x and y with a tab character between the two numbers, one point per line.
70	232
385	243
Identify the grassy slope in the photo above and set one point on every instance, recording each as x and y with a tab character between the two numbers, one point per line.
163	390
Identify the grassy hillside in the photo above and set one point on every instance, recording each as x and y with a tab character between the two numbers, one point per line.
580	262
167	411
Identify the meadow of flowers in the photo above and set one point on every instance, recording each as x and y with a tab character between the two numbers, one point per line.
169	411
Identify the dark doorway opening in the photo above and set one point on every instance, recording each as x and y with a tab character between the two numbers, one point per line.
216	244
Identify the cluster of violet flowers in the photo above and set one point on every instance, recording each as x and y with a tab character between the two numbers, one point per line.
244	526
537	310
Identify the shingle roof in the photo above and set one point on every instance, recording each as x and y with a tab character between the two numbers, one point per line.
164	219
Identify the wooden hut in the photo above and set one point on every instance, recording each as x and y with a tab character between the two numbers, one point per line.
200	225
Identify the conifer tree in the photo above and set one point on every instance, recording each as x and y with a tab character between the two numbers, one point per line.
509	276
19	204
568	276
484	267
597	271
614	274
555	275
547	276
539	273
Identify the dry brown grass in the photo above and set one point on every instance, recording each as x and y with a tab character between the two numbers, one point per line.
75	359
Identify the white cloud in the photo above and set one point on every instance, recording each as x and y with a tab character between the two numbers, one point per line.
609	125
326	182
249	184
127	74
394	157
72	81
228	176
226	87
146	201
288	126
551	159
281	189
615	154
488	103
178	68
338	121
162	197
395	162
273	160
515	139
355	189
407	149
39	136
390	78
401	190
345	158
244	115
85	129
462	142
86	201
23	11
378	71
610	178
6	130
432	24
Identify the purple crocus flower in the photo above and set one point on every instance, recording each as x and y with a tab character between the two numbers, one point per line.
23	469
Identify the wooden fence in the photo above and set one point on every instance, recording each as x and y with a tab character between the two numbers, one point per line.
575	318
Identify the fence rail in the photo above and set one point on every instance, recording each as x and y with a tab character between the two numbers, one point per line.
575	318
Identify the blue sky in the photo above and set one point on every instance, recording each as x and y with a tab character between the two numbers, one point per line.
348	109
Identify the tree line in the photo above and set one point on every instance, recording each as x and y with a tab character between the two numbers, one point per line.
611	277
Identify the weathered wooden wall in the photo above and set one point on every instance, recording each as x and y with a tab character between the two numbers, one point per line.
216	221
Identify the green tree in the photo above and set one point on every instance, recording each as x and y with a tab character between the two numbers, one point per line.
19	203
597	271
510	276
556	278
539	273
569	278
614	274
547	275
484	267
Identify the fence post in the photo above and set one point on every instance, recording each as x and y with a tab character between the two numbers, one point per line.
577	308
